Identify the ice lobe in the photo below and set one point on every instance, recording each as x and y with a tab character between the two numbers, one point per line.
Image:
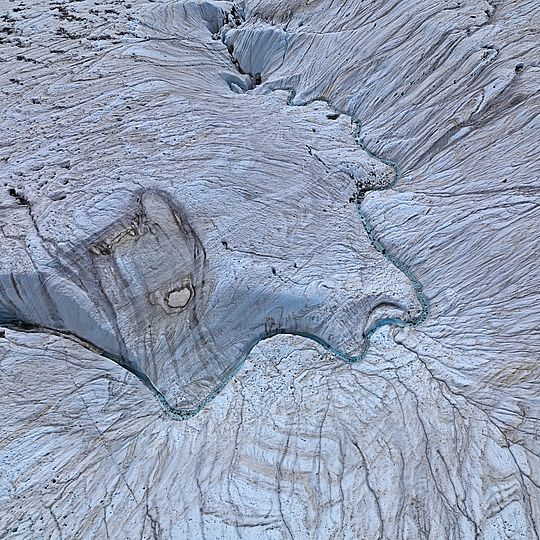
147	293
209	220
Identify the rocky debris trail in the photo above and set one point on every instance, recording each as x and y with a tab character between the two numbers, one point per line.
141	139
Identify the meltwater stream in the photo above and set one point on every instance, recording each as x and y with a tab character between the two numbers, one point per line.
376	242
20	324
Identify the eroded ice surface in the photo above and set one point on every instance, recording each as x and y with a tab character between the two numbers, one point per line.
165	162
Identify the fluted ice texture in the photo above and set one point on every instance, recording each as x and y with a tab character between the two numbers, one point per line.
181	181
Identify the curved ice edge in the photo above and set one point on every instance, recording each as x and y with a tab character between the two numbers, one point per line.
184	414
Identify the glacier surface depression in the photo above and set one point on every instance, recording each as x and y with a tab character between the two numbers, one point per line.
182	180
